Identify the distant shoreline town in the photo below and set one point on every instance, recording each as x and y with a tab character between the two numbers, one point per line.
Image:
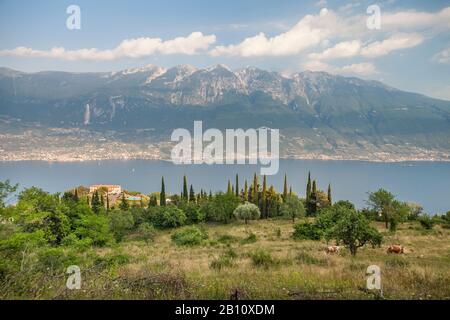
387	159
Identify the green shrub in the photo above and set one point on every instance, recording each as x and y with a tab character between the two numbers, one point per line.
251	238
72	241
55	259
121	222
21	241
426	222
262	258
113	259
224	261
95	227
146	232
226	239
189	236
307	231
167	217
193	213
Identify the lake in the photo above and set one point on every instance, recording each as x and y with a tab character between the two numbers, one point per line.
427	183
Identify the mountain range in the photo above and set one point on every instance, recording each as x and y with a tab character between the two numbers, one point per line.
317	112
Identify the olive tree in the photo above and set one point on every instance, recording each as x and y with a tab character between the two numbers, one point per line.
354	231
292	207
247	211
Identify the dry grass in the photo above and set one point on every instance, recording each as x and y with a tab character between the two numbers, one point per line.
299	269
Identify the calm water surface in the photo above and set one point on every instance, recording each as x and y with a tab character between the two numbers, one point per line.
427	183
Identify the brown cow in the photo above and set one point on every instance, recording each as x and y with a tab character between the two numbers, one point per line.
332	249
395	249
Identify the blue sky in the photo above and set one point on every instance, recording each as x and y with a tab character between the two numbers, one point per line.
410	50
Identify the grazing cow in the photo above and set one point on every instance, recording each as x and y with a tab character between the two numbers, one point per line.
395	249
332	249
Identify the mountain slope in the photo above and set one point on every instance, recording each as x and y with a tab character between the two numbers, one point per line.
314	110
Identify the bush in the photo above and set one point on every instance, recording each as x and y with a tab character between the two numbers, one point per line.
121	222
426	222
225	260
113	259
72	241
262	258
95	227
251	238
221	263
247	211
193	213
19	242
146	232
167	217
55	259
220	208
226	239
307	231
189	236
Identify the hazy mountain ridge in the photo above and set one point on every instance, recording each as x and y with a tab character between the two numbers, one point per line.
327	113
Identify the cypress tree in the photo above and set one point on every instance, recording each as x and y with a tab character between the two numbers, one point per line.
124	203
95	202
210	195
75	196
162	195
290	191
185	189
313	198
153	202
329	195
102	201
255	190
229	187
191	194
264	198
237	185
285	188
308	187
246	191
107	202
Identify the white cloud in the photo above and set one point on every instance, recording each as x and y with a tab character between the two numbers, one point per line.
348	49
314	30
395	42
311	30
413	20
343	49
129	48
362	69
442	56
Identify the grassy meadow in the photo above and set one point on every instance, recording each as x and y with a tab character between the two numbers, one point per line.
259	260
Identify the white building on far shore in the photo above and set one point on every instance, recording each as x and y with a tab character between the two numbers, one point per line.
112	188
